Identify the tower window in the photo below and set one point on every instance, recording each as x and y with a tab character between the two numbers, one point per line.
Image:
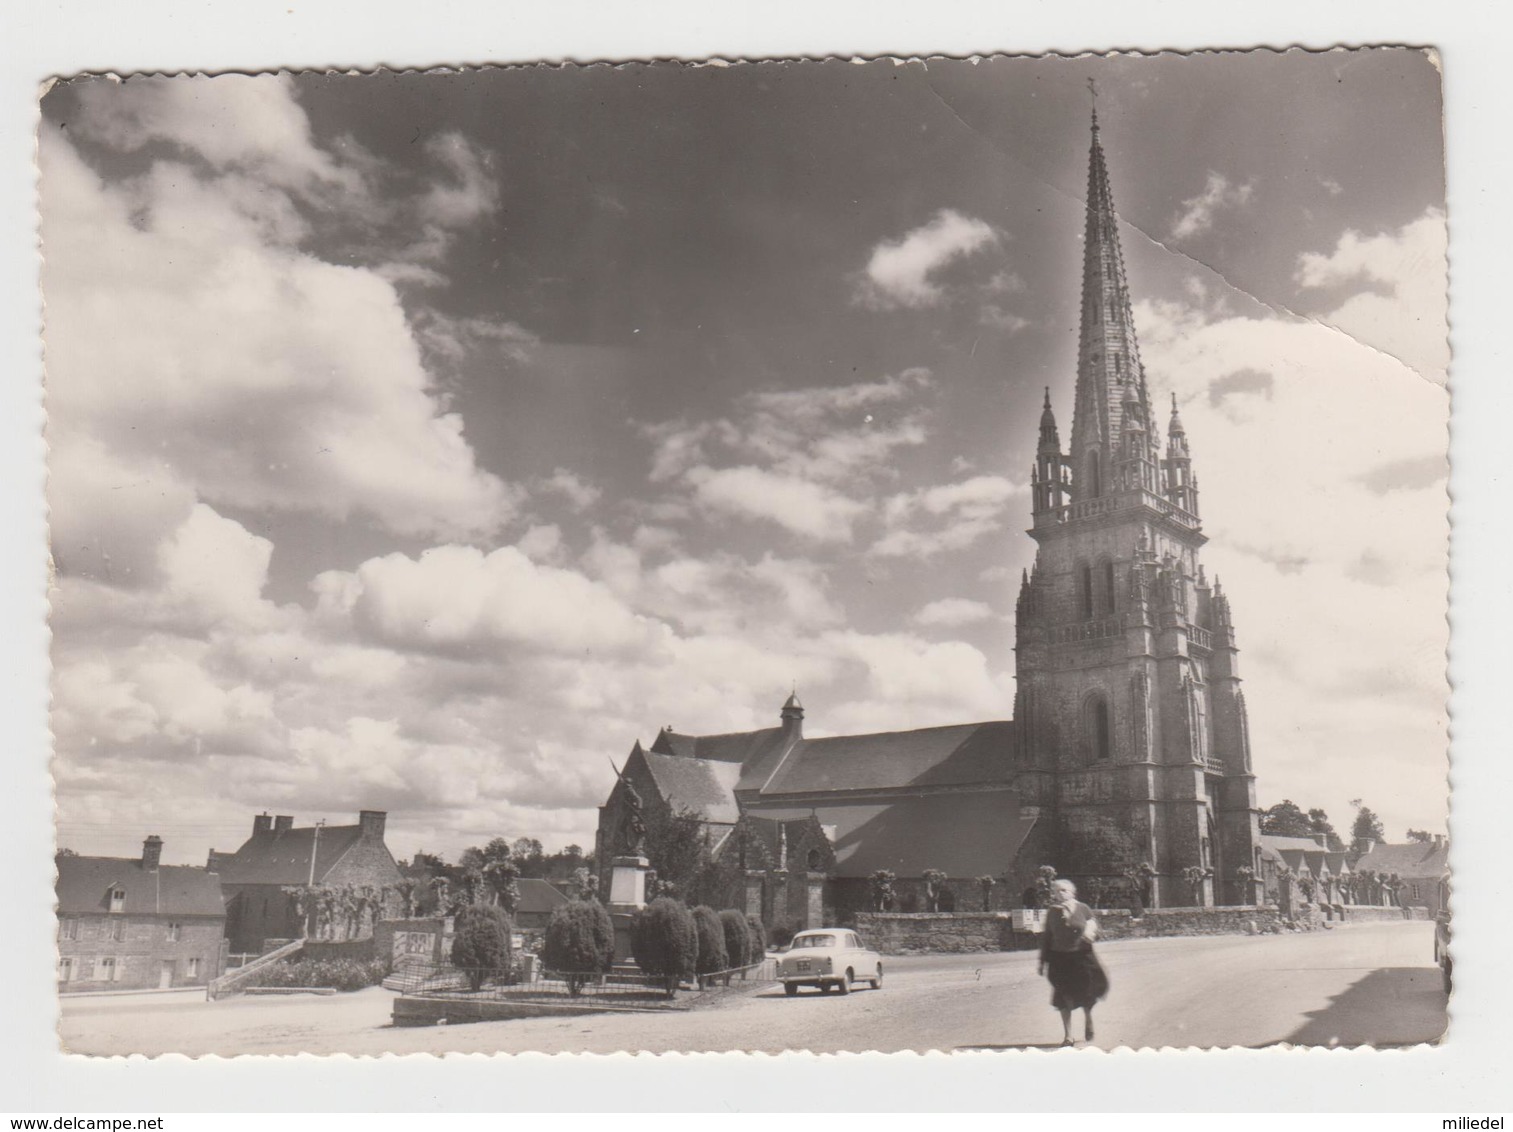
1108	587
1099	730
1094	474
1085	592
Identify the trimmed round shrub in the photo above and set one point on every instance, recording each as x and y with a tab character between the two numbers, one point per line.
664	941
737	938
481	944
758	938
712	955
580	941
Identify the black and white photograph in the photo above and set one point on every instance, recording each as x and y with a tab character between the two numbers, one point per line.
834	555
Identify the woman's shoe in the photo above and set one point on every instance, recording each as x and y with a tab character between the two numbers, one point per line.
1067	1042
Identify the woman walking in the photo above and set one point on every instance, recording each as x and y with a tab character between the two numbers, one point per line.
1066	953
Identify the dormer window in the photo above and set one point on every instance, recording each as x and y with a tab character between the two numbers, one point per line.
117	899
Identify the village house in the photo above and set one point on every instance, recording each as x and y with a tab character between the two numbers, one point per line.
538	899
1418	865
133	924
278	856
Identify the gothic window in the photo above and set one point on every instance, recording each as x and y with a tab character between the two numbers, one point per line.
1099	730
814	860
1085	591
1094	475
1108	587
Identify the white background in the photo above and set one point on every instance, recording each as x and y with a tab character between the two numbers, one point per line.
1465	1076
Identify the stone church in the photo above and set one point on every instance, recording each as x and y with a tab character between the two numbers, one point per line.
1127	763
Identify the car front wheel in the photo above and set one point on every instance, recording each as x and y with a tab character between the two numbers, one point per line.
790	989
877	979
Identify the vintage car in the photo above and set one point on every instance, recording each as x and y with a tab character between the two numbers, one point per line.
1442	932
828	957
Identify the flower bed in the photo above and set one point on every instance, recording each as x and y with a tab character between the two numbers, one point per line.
339	974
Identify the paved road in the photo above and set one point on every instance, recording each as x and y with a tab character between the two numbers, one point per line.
1365	984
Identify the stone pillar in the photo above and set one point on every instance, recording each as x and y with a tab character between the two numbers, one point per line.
627	884
752	904
815	910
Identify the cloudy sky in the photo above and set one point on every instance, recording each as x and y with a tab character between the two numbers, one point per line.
419	442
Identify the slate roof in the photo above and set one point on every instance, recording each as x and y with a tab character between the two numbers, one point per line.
931	756
84	885
699	784
1414	859
538	896
965	834
283	857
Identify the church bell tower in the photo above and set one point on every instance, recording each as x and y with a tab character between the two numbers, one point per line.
1132	732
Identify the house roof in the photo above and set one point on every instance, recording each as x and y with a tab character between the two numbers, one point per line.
1414	859
283	857
964	834
84	885
698	784
538	896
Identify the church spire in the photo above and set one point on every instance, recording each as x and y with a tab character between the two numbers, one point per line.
1110	379
1181	484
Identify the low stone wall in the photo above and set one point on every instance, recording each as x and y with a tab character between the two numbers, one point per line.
1376	914
924	933
361	949
1226	920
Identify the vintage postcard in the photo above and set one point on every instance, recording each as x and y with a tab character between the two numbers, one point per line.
932	554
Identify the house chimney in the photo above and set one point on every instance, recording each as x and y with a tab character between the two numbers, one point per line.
261	823
1367	844
152	852
283	823
793	717
372	823
1439	840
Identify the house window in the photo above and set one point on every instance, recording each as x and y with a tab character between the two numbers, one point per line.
65	970
173	933
117	899
1414	889
113	930
105	970
68	928
194	968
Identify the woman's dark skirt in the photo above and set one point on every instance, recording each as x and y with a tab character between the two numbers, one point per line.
1077	978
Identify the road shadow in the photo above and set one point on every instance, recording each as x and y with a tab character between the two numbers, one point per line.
1391	1006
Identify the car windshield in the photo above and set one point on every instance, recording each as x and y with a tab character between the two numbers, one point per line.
814	941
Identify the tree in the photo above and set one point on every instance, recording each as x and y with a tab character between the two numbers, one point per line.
1367	827
985	883
737	938
935	883
481	943
881	884
1286	819
677	848
1319	823
1045	877
585	883
500	875
711	935
664	941
758	938
1421	836
580	940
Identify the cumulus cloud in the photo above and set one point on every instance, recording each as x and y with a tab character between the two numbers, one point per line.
947	517
1322	464
898	272
1197	213
193	345
1399	290
951	612
803	459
